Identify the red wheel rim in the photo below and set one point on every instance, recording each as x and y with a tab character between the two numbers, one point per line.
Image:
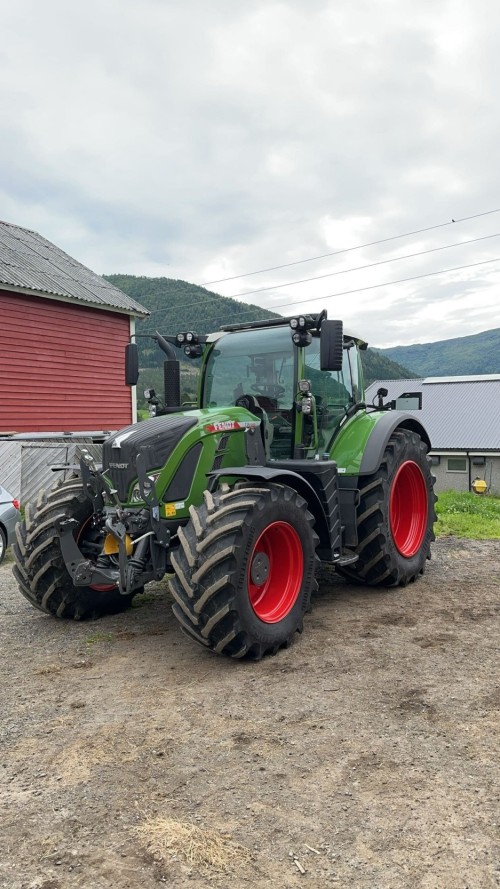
408	508
98	587
275	571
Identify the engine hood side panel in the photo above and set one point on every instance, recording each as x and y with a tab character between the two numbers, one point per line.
159	436
168	441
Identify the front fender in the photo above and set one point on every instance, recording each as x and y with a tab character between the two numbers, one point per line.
321	494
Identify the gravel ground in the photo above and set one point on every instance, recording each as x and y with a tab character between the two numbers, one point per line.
366	755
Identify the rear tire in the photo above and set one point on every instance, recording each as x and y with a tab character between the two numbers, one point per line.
40	570
395	516
3	544
244	570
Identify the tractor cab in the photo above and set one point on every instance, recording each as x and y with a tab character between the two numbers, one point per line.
300	376
301	406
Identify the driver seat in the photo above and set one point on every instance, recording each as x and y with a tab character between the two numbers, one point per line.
253	404
266	403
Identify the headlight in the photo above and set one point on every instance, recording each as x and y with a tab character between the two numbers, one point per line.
136	496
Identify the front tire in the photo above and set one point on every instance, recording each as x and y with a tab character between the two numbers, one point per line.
40	570
395	516
245	570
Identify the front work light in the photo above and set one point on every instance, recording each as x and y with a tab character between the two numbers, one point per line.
298	323
301	338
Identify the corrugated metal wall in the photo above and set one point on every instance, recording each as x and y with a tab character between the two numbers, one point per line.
61	366
25	464
10	467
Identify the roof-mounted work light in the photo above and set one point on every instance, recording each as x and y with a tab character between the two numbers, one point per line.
193	350
300	334
187	337
298	323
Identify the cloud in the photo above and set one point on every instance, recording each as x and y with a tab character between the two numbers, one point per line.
202	141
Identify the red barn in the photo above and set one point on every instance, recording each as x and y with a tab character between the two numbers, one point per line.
63	331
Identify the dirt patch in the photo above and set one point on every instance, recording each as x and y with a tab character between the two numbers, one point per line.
364	756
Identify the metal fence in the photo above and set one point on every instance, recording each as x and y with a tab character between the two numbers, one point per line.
26	460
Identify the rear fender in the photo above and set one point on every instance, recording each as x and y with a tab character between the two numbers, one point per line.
380	435
359	445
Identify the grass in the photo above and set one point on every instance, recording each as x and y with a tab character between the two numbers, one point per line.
167	838
142	599
97	637
474	516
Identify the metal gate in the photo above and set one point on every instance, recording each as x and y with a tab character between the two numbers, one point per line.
26	460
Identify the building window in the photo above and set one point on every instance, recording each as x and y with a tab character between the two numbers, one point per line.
457	464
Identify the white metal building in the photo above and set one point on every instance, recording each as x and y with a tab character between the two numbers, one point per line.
462	417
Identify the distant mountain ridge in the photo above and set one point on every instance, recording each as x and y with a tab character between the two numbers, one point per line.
178	305
478	353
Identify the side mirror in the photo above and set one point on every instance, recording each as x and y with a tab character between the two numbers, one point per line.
381	394
331	345
131	364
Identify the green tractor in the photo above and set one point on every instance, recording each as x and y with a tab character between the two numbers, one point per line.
278	467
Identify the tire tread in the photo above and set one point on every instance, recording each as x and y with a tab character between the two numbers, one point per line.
379	563
39	567
207	572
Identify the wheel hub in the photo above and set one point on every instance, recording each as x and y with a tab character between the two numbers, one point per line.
275	572
408	507
260	569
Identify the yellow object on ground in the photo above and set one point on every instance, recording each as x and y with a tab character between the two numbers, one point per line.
479	486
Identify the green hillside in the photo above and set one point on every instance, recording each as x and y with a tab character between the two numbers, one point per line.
177	305
476	354
377	366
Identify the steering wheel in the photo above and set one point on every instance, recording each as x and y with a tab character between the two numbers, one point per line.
247	401
272	390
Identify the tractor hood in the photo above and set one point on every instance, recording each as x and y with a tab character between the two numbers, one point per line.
156	437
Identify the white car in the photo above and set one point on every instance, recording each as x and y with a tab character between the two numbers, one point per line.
9	517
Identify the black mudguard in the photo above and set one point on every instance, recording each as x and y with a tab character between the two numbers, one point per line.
381	433
315	480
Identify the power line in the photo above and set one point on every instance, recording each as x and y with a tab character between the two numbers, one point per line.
239	296
358	268
417	231
375	286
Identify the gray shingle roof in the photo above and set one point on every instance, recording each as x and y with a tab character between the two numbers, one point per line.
459	413
30	262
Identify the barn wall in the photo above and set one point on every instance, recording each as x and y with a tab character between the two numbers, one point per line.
61	366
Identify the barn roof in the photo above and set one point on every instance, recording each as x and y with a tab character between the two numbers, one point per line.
31	264
459	413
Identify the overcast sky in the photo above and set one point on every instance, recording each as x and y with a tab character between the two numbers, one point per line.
204	139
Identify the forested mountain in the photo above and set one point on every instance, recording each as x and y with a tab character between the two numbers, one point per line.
475	354
177	305
377	366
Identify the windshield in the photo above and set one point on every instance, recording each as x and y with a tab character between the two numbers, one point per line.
261	363
257	362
